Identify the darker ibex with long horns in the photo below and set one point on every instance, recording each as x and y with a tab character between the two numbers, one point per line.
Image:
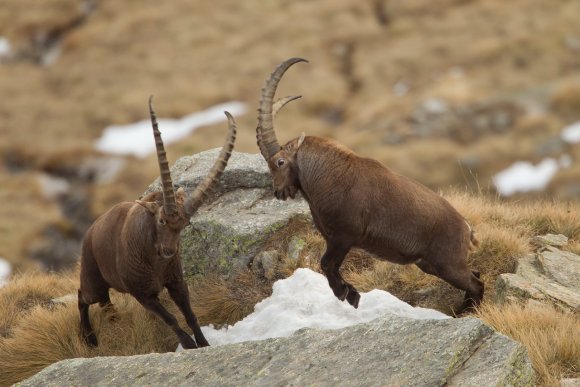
134	247
358	202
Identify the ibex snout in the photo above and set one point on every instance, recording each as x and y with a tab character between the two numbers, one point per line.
285	193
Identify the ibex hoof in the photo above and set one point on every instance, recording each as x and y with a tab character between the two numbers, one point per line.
188	343
341	293
353	297
91	340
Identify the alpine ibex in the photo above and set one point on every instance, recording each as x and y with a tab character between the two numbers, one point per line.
358	202
134	247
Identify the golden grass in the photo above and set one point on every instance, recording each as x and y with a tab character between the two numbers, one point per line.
226	57
24	292
36	332
551	336
219	301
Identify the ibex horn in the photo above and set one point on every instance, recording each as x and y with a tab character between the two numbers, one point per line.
265	134
279	104
169	205
207	185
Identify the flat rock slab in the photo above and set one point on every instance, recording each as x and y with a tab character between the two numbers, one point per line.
390	351
549	275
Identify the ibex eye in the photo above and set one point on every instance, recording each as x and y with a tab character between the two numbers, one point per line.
280	162
162	222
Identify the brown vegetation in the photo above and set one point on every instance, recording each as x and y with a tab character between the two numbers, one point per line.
551	336
464	53
504	230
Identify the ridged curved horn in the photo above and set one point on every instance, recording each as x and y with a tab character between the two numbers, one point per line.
265	134
169	204
279	104
207	185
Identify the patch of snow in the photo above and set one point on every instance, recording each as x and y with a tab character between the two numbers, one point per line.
103	169
5	48
571	133
137	139
304	300
523	176
400	89
565	161
435	106
51	55
52	187
5	271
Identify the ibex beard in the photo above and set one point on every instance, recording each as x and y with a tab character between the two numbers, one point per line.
358	202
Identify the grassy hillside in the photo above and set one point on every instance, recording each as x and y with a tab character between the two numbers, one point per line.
448	92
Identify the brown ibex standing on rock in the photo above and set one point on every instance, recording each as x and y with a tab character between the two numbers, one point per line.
358	202
134	247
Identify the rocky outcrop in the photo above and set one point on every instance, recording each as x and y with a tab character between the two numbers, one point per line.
243	214
547	275
389	351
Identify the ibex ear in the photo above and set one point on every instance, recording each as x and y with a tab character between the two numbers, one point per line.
300	140
152	207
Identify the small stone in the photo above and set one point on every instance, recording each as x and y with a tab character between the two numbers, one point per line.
570	382
265	263
66	299
550	240
295	247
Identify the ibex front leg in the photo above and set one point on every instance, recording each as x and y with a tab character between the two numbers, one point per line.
330	264
152	303
180	295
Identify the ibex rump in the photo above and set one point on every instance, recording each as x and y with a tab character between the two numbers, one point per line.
358	202
134	248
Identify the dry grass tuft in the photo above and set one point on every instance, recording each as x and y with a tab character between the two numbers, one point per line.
219	301
551	336
47	333
38	332
24	292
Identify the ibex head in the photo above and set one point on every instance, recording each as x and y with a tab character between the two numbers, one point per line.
281	160
176	210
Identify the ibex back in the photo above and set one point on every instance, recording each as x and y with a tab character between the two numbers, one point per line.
358	202
134	248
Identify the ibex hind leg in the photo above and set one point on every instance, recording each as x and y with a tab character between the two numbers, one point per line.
86	330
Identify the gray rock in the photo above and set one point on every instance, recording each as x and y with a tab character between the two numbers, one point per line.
244	170
549	275
570	382
295	247
230	229
264	264
558	240
225	235
387	351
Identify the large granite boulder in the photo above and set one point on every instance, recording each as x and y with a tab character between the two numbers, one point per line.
242	215
550	274
389	351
